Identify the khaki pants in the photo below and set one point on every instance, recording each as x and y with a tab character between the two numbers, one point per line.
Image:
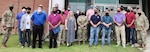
120	31
82	34
141	37
61	36
5	35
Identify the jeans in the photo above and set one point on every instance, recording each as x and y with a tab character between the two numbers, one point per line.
130	35
104	32
20	35
26	37
94	35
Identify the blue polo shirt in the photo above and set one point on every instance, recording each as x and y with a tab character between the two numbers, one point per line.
95	19
38	19
19	16
107	20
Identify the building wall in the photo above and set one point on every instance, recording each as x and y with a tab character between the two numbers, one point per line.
18	4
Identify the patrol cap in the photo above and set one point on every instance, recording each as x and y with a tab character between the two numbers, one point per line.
11	5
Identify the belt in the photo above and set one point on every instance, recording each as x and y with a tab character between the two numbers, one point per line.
38	25
121	24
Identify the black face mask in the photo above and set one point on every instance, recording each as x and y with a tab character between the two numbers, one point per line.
139	14
11	8
95	12
28	12
63	12
118	11
54	12
107	14
128	10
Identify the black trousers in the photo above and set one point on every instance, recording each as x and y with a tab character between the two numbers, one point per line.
37	31
26	37
88	30
53	39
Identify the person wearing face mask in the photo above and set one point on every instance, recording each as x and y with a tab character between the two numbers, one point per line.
25	27
76	15
107	28
8	23
67	11
40	10
54	21
82	28
38	20
95	21
119	20
141	26
89	13
62	33
57	7
18	17
70	26
123	10
130	27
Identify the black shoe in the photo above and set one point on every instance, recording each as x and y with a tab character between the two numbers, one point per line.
40	47
50	47
33	47
55	46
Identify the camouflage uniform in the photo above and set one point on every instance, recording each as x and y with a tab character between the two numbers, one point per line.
141	25
8	22
82	20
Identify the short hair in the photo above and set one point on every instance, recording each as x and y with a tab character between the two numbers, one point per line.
28	8
23	7
41	6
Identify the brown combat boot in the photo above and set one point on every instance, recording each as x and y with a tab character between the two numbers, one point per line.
3	46
84	42
78	42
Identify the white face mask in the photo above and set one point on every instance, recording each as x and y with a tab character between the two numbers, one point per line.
23	10
68	8
39	11
77	12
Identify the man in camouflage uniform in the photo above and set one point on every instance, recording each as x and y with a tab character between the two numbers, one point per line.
82	28
7	25
62	34
141	25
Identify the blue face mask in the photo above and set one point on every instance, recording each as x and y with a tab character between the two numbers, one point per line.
91	7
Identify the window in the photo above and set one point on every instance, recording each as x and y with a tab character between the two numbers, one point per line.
106	1
129	1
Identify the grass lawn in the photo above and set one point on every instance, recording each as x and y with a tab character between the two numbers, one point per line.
14	47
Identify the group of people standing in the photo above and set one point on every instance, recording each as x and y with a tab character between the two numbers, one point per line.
64	24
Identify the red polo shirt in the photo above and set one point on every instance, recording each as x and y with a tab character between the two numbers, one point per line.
130	16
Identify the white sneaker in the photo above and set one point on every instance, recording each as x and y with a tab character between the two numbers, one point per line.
128	44
117	45
124	46
132	45
22	47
